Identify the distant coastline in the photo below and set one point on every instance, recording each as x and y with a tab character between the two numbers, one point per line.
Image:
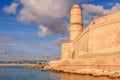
42	65
25	65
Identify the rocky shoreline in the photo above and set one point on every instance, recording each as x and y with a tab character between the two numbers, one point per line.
85	70
93	72
40	66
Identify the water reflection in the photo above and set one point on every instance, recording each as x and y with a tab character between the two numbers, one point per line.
21	73
65	76
54	76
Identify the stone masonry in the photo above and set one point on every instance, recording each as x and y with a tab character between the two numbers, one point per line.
96	47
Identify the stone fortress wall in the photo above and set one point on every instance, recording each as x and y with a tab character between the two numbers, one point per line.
94	50
102	35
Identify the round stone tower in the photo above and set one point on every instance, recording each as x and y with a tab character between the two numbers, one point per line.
76	25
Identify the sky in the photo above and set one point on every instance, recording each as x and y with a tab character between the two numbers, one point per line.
35	29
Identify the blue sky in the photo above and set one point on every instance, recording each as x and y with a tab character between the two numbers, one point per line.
33	29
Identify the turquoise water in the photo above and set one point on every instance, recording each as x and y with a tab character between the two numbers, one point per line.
21	73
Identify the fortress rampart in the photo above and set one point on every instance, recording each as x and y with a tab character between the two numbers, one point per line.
101	36
97	47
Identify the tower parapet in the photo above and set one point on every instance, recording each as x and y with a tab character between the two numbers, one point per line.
76	24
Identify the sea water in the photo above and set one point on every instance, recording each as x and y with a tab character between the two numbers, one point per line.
23	73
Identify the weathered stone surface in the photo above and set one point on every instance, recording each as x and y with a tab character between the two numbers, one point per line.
75	22
95	50
67	51
96	66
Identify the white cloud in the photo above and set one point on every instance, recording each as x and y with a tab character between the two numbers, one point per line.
116	7
11	8
44	31
48	13
99	9
51	14
90	8
48	8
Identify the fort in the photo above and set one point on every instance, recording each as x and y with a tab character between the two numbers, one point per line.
94	50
